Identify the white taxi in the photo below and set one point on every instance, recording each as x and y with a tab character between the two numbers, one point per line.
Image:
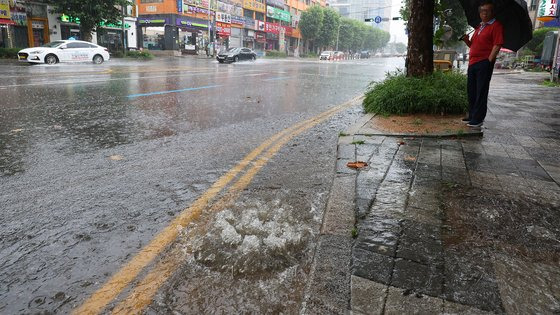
64	51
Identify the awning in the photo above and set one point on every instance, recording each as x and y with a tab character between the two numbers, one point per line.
8	22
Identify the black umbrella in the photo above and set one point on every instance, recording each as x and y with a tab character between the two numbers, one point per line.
514	16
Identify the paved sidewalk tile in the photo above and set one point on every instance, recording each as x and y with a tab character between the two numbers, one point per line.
463	226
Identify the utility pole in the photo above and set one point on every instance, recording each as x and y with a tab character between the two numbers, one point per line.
123	29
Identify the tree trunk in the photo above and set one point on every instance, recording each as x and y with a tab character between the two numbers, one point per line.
85	31
420	55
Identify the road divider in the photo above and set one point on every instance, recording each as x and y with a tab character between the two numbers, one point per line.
143	292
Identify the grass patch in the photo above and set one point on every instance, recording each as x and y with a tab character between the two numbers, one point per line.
550	83
275	54
309	55
417	122
342	134
358	142
9	53
133	54
354	232
438	93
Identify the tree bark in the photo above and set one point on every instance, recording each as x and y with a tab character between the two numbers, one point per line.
420	54
85	31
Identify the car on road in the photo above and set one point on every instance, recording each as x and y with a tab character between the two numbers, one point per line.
364	54
326	55
64	51
236	54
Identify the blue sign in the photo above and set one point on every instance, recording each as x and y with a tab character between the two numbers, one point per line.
377	19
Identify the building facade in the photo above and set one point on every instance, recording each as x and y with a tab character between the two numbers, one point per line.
34	23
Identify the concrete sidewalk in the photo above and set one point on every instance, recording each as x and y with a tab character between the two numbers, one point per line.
461	226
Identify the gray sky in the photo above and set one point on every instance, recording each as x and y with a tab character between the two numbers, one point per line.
397	27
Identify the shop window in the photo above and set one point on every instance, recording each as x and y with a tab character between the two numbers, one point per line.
259	16
248	13
153	38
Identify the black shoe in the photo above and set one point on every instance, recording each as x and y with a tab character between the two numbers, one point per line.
466	119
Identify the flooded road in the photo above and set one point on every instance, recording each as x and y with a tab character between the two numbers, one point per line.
95	161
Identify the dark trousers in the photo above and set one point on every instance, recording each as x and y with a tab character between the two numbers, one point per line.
478	84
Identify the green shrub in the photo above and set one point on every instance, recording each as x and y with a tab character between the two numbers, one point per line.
309	55
139	54
117	54
276	54
535	44
440	92
9	53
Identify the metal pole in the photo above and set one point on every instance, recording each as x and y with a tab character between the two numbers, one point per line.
123	30
210	33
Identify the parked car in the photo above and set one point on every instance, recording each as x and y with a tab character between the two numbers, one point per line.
364	54
64	51
236	54
338	55
326	55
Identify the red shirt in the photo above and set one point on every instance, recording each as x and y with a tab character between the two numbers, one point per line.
483	41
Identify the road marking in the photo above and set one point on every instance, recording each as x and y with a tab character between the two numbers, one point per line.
278	78
139	298
175	91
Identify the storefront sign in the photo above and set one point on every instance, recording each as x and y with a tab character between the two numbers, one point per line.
5	9
200	3
249	23
548	10
260	26
192	10
223	17
254	5
189	23
278	14
19	18
223	29
239	20
295	20
273	28
260	37
288	30
70	19
149	21
179	6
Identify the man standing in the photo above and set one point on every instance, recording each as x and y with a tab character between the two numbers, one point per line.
484	45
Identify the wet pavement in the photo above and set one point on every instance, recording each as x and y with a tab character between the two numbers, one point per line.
96	160
464	226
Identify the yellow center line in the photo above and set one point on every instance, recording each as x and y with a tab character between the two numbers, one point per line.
138	300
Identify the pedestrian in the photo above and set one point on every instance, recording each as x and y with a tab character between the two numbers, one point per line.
484	45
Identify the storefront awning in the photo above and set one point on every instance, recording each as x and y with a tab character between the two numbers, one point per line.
7	22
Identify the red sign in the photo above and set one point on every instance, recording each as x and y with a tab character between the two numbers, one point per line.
288	30
223	29
273	28
260	37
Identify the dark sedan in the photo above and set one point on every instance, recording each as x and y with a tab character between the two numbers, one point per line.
236	54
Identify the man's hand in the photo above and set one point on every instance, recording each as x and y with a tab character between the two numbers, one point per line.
466	39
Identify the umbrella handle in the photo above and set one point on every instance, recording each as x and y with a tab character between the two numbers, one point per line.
461	38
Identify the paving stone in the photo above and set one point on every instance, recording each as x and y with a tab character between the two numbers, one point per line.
373	266
345	140
461	309
424	215
423	197
374	139
339	215
553	171
346	152
421	242
401	301
368	297
379	234
342	168
455	175
528	287
364	152
425	279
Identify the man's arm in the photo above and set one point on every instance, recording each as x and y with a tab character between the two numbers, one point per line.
494	53
467	40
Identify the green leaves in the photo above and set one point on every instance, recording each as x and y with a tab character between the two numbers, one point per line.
91	13
432	94
324	24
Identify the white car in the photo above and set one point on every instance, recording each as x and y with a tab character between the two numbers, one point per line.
64	51
326	55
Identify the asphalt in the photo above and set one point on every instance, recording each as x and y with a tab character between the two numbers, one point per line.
450	225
